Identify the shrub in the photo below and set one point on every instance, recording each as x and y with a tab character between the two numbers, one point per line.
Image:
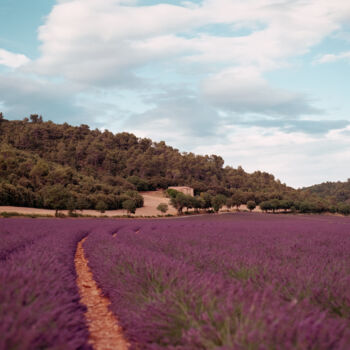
163	207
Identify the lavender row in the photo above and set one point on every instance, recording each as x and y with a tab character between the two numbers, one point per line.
15	236
228	283
39	300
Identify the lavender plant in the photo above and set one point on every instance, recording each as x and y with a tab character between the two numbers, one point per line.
39	301
230	282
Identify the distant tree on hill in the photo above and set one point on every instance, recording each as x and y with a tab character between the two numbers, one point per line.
229	203
251	205
56	197
35	118
207	200
179	202
101	206
238	198
218	202
344	209
265	206
130	206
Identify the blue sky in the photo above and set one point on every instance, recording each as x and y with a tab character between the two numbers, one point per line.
263	83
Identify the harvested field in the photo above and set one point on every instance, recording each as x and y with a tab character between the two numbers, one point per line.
151	200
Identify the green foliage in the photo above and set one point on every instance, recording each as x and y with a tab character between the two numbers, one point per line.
344	209
179	202
98	166
130	206
251	205
218	202
163	207
238	198
334	191
171	193
140	184
101	206
206	200
56	197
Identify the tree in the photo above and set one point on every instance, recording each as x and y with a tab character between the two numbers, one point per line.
275	204
35	118
229	203
140	184
171	193
344	209
179	202
101	206
163	207
207	199
218	201
56	197
238	199
71	206
197	203
130	206
136	197
251	205
265	206
82	203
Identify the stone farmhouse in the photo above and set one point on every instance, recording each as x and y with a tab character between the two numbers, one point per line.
184	189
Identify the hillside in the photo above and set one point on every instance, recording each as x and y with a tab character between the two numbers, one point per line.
48	165
334	191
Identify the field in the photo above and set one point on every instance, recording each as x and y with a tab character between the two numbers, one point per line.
151	200
230	281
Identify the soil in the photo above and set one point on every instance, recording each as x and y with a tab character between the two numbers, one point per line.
151	200
105	333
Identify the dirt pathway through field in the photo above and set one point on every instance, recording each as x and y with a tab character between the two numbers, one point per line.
105	334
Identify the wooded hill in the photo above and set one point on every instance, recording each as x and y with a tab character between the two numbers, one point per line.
43	164
334	191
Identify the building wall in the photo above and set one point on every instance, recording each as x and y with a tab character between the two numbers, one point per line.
184	189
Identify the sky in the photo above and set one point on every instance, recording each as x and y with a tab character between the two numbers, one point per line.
263	83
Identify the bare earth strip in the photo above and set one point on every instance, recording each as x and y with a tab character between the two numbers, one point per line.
105	334
151	200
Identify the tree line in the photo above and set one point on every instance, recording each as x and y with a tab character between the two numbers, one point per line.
92	169
213	203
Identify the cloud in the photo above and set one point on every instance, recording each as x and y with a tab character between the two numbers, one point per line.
244	90
97	41
311	127
198	73
179	117
12	60
330	58
21	96
295	158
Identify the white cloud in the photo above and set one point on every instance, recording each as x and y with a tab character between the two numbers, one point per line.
225	48
244	90
96	40
328	58
294	158
21	96
12	60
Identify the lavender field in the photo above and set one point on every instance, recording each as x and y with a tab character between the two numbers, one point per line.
235	281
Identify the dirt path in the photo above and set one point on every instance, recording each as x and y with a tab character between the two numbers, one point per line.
105	334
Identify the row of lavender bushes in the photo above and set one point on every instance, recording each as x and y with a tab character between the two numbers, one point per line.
242	282
39	300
